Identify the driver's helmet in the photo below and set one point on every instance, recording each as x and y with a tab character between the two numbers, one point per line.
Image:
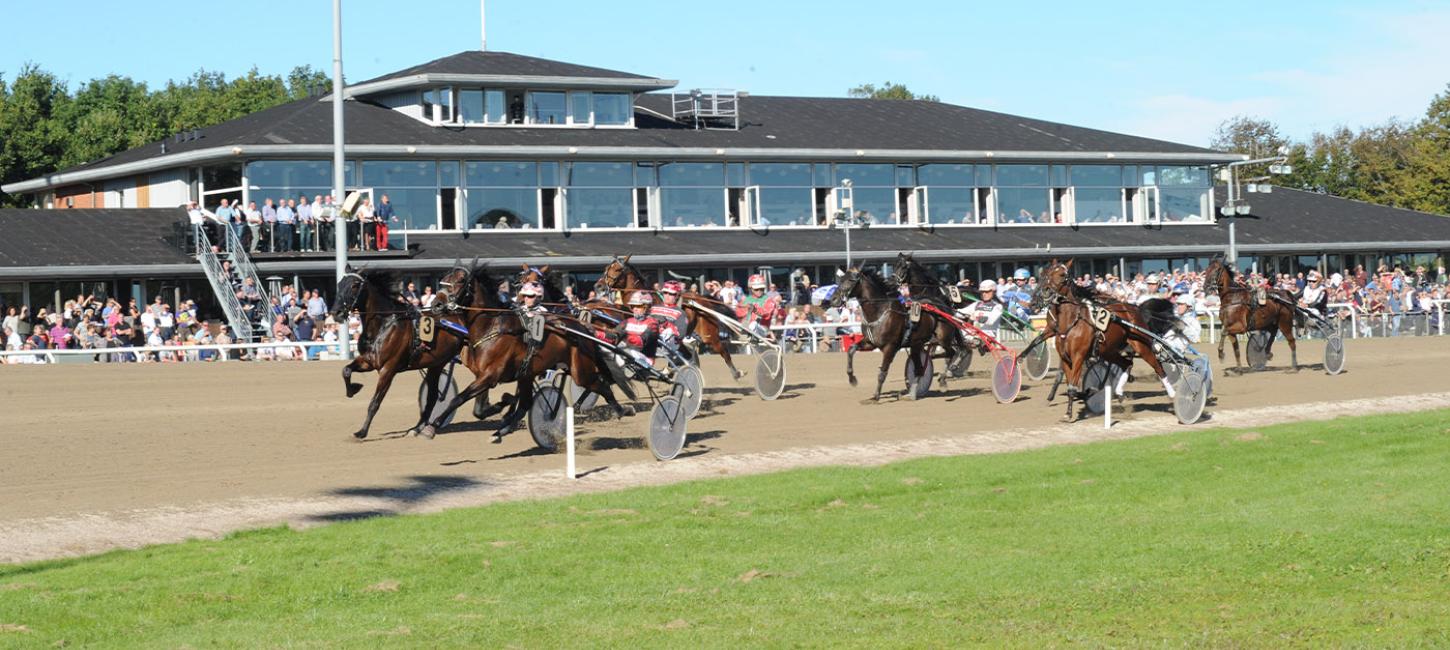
757	282
1021	274
674	287
987	285
531	289
640	298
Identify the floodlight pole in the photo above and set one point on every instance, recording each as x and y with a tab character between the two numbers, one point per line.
1229	208
339	181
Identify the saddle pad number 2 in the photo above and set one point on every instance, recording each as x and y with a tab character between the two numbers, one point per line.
1100	317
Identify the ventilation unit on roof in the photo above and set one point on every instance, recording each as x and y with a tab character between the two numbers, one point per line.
708	109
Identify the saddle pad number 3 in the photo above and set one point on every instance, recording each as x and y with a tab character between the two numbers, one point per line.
426	329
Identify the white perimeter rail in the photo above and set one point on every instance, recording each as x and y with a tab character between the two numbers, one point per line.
296	351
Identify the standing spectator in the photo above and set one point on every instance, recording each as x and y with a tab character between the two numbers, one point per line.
383	217
307	230
410	294
286	222
231	217
316	306
166	323
362	221
426	300
323	214
304	328
254	226
12	340
269	216
205	218
12	321
148	324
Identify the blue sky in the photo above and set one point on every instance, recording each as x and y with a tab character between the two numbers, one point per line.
1166	70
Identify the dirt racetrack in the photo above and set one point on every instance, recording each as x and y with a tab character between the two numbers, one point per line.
100	456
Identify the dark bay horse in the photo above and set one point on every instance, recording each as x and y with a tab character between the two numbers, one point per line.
884	325
1240	312
619	276
389	343
1080	342
499	353
923	285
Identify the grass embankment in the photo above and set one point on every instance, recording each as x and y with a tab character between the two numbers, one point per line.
1308	534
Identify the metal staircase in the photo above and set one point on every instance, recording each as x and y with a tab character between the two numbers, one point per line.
248	326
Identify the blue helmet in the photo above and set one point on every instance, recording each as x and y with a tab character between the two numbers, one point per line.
1021	274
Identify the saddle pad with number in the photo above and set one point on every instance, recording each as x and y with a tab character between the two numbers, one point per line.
1099	317
427	329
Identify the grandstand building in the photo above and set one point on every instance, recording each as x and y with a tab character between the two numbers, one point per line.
519	159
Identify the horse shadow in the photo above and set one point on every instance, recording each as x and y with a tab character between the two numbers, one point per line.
610	443
414	491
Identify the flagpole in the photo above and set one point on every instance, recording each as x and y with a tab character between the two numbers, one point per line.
339	182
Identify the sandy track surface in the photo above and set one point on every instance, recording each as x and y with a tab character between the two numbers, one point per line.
100	457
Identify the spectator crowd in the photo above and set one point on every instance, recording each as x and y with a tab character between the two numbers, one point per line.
296	225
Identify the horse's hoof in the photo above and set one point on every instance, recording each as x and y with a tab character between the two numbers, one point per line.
360	434
852	380
352	389
428	432
497	439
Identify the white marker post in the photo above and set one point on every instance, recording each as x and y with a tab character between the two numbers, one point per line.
1108	402
569	441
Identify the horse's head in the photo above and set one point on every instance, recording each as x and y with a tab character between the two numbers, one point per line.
848	283
1216	276
616	276
349	290
1052	281
456	288
906	271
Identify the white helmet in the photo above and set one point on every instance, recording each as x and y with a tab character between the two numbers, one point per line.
1313	276
531	289
757	282
641	299
987	285
1152	278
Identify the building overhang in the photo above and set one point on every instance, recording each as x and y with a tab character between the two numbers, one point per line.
561	152
636	84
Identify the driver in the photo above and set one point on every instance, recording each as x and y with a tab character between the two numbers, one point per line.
526	304
640	332
672	319
1314	297
757	310
1017	296
985	314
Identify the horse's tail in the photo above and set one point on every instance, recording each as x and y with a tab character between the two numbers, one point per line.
1158	315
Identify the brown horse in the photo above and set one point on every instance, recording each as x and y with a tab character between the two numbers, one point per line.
922	285
1240	312
621	277
885	322
499	353
389	343
1079	341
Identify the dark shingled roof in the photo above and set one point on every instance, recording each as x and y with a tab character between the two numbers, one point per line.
1284	221
505	63
90	237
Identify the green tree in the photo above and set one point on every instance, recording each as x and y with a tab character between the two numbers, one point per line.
32	142
1254	137
888	90
305	81
1425	185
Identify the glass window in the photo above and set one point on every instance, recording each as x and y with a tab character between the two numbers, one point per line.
448	173
1022	204
470	106
944	174
493	106
1183	176
1098	204
289	173
549	174
220	177
644	175
692	206
984	175
1059	176
601	174
1183	204
500	208
951	205
1130	176
1097	176
1022	175
612	108
579	108
823	175
905	176
735	174
786	206
867	175
547	108
438	104
691	174
780	174
877	203
500	174
376	173
600	207
413	208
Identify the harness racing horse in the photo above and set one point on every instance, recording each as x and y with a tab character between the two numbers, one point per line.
922	285
1081	340
390	341
620	276
1240	312
885	322
499	353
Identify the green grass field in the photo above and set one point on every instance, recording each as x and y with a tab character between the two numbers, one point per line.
1317	534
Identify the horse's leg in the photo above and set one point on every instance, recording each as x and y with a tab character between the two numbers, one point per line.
430	380
1238	365
1286	327
356	365
482	381
385	381
721	346
850	358
524	399
887	354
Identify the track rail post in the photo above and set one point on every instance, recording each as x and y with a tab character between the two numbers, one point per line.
569	440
